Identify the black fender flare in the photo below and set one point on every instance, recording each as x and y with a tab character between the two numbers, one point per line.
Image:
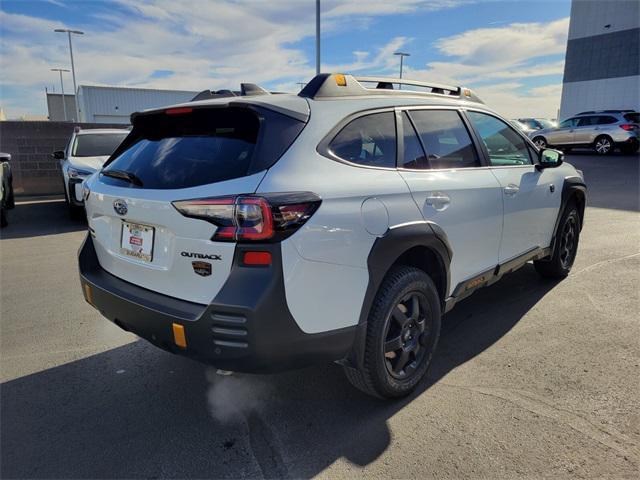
573	187
384	253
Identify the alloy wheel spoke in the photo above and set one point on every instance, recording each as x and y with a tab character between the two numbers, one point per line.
399	316
393	344
401	362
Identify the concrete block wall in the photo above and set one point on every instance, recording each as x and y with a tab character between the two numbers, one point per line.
31	144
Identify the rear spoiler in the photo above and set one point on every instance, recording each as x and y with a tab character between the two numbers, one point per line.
246	90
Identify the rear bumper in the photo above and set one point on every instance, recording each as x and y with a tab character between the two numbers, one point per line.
247	327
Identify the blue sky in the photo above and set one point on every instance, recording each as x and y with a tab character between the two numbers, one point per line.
511	52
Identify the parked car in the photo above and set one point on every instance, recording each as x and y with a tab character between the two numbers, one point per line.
86	152
538	123
268	232
603	131
523	127
7	201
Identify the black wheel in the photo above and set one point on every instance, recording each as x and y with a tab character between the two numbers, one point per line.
540	142
402	333
603	145
566	246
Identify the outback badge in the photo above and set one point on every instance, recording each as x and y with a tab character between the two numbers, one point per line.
202	268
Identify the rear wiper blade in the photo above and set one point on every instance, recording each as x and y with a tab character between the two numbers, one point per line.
123	175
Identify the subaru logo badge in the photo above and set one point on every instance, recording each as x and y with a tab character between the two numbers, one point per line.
120	206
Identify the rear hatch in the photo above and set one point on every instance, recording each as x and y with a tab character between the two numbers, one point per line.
173	155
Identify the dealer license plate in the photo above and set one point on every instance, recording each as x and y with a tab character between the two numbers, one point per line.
137	241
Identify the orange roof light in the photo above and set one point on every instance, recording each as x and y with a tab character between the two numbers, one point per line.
341	80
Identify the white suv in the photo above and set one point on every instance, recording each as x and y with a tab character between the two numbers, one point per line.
268	232
86	152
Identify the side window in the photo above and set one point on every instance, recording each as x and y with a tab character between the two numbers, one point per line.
504	145
587	121
369	140
568	123
445	138
606	120
414	156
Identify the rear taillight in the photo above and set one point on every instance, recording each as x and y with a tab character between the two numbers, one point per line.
248	218
628	127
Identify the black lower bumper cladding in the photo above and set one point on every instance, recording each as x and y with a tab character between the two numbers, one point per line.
247	327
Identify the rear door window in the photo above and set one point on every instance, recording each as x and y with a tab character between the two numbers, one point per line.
414	157
369	140
606	120
446	140
632	117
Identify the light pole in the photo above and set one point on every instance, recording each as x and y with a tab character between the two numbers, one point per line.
73	69
401	55
64	104
317	37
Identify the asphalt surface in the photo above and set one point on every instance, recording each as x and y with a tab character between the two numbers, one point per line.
532	379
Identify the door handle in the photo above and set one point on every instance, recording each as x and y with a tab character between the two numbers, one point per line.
511	189
438	200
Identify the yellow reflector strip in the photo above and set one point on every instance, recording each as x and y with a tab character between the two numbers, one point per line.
178	335
341	80
87	293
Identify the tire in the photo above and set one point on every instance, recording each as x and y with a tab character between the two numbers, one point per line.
397	357
603	145
75	213
3	217
630	149
566	246
540	142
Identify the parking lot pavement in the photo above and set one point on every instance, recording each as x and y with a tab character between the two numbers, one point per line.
532	378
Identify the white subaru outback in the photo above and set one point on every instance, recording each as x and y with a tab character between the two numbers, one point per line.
260	233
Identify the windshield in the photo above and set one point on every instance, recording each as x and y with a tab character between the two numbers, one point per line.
97	144
546	123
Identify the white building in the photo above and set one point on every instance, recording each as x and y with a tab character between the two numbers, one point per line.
116	104
602	66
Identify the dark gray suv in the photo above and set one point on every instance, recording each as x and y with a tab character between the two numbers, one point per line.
603	131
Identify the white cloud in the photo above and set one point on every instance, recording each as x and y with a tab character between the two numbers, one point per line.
491	60
220	44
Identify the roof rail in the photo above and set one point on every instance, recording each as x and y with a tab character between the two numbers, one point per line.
331	85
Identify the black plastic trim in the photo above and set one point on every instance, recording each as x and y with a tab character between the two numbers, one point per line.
492	275
572	186
386	250
247	327
72	196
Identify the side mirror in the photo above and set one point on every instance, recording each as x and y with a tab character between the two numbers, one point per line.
549	158
58	154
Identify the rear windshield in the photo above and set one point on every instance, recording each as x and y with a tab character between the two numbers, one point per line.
199	147
632	117
97	144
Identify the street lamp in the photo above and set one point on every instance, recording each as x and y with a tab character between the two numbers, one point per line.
73	70
64	104
317	37
401	55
